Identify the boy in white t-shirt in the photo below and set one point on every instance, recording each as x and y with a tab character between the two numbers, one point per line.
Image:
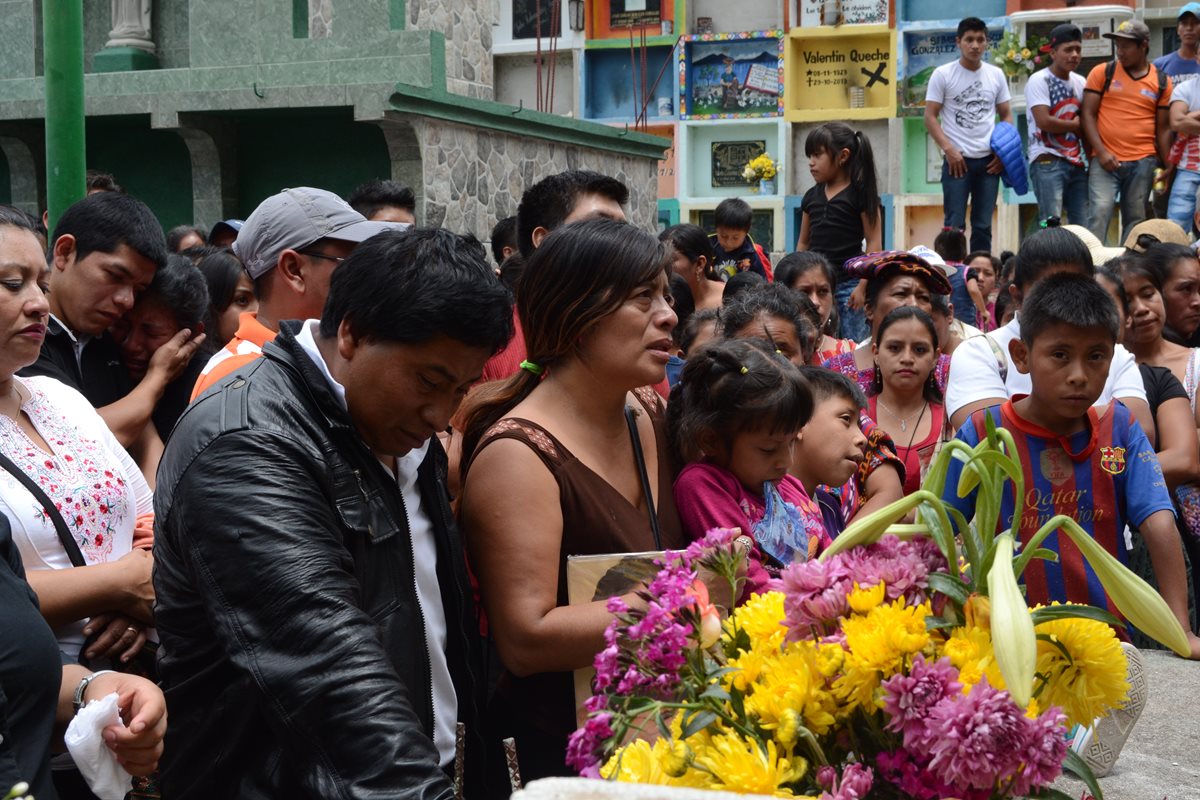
1057	170
967	94
1185	153
981	372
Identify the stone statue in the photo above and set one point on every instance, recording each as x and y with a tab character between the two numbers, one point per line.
131	25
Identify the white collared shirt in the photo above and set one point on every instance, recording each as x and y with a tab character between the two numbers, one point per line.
424	551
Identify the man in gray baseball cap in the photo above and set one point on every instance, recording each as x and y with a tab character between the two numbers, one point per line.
290	246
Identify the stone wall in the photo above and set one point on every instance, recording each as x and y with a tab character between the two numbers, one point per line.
475	177
467	26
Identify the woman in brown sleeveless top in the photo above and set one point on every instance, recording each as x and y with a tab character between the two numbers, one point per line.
552	471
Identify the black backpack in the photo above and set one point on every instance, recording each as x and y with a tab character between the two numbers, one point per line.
1110	69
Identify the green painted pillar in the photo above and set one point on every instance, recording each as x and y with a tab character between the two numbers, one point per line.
62	26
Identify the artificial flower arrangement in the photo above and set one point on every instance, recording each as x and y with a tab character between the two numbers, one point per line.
1018	59
903	663
759	168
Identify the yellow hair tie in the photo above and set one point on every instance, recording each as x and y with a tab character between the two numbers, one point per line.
744	370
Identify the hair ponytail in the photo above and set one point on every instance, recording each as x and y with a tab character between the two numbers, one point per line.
833	138
863	175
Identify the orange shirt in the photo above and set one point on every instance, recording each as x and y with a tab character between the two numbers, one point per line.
245	346
1125	120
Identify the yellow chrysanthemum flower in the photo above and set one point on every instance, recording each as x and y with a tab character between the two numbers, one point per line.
676	758
887	634
1088	678
762	618
741	766
747	669
655	764
878	646
789	685
1025	53
863	600
970	651
830	658
636	762
1012	54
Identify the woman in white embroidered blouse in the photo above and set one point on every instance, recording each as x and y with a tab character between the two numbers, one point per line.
53	435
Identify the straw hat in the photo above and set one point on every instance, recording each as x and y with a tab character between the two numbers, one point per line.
1100	253
1164	230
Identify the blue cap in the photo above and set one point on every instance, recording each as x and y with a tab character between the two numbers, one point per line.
225	226
1190	8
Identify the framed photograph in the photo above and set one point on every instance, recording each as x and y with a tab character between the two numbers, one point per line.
730	158
599	577
1094	44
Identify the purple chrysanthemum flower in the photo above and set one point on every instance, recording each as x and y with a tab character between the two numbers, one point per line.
715	539
929	553
908	699
974	740
910	775
816	596
855	783
901	566
1042	757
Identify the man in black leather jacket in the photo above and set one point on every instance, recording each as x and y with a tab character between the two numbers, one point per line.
312	595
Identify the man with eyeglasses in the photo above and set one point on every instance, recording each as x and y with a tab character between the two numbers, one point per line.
290	247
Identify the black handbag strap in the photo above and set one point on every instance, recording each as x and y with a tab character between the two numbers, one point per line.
645	478
60	524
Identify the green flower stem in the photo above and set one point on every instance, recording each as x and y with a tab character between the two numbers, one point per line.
1035	542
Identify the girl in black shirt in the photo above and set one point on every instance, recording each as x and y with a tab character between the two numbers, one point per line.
842	212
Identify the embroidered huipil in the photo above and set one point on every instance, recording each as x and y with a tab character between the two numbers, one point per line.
91	479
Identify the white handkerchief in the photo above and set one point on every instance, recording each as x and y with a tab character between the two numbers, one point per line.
85	741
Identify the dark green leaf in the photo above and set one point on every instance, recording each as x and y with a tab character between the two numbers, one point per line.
938	623
737	702
697	723
950	586
1048	639
663	730
715	691
1048	613
939	526
1075	764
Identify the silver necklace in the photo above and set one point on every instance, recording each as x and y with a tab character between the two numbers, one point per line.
903	420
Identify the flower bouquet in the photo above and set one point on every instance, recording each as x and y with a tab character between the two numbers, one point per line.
1017	59
903	663
761	171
